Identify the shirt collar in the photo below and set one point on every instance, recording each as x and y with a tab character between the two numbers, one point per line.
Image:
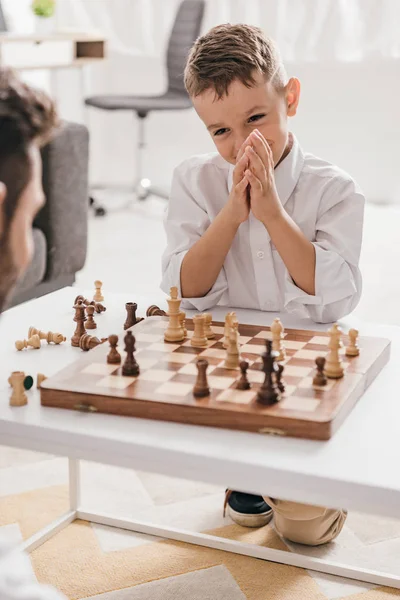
286	174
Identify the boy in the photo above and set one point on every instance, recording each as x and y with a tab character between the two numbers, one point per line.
27	119
262	224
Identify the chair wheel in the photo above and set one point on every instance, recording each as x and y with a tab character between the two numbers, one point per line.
100	211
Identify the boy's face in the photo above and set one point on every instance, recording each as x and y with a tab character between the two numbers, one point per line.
16	244
233	117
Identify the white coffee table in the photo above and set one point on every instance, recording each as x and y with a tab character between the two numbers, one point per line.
357	469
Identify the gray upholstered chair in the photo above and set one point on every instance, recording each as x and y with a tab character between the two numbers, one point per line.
185	30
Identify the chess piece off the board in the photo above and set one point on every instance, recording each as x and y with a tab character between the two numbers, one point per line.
33	342
155	311
320	379
39	380
174	331
131	318
333	364
353	349
98	294
113	357
199	339
277	339
88	342
243	383
79	319
90	323
130	366
99	308
18	396
201	388
49	336
268	393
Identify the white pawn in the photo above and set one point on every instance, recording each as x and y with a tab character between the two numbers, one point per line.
18	397
353	349
333	364
199	338
208	320
277	337
98	295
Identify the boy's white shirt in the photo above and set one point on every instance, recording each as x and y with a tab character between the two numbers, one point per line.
323	200
16	582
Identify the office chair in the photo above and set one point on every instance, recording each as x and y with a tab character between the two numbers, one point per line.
185	30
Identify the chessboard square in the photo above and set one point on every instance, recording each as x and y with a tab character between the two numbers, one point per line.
297	371
244	339
319	339
218	329
180	357
308	354
157	375
116	383
160	324
164	347
293	345
191	369
255	376
236	396
253	348
307	382
264	335
300	404
148	337
209	343
147	363
174	388
220	383
289	390
213	352
100	369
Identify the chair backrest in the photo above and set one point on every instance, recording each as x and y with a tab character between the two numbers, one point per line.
3	23
185	31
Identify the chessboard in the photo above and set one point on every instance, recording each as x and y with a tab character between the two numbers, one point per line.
164	388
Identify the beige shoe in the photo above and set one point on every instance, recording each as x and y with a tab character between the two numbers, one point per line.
246	509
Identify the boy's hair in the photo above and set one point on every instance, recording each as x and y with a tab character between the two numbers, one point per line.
26	116
229	52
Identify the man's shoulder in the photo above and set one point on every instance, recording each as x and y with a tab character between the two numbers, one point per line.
203	162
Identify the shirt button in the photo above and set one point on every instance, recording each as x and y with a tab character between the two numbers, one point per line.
260	254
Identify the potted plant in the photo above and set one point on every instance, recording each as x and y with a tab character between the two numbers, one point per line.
44	15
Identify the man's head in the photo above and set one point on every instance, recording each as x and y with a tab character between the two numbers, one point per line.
237	83
27	119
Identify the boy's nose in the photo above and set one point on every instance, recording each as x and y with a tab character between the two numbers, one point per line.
238	143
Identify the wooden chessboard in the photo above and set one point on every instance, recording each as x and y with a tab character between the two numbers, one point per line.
164	388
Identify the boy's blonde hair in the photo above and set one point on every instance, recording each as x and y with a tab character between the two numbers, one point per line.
229	52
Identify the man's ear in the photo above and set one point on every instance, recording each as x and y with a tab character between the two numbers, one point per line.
3	194
292	96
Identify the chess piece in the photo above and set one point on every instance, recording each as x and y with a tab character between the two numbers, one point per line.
182	320
80	319
90	323
155	311
319	377
232	352
28	382
39	380
99	308
278	376
88	342
113	357
98	295
130	366
18	396
243	383
33	342
277	337
198	339
333	364
131	318
268	393
208	331
230	321
49	336
353	349
174	331
201	388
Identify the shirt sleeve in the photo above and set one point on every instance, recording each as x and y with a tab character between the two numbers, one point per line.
338	281
185	221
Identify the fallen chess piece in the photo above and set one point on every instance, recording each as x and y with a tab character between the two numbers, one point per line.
113	357
201	389
99	308
28	381
319	378
49	336
131	318
18	396
88	342
33	342
155	311
353	349
39	380
98	295
90	323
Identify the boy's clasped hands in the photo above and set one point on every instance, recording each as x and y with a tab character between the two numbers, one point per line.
253	182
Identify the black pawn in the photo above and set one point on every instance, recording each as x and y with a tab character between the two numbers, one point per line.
268	393
320	378
243	383
130	366
201	388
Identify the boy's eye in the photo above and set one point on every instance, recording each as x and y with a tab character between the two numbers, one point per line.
220	131
256	117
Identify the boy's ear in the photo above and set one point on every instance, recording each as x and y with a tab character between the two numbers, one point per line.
3	194
292	96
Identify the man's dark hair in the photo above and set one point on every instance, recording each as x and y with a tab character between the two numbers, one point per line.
26	115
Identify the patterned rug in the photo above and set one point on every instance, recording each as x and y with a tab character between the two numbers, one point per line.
91	561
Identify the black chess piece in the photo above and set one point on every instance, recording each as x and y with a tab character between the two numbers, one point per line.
278	375
243	383
268	393
320	378
113	357
201	388
130	366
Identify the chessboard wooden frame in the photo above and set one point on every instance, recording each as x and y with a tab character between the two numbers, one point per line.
326	408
